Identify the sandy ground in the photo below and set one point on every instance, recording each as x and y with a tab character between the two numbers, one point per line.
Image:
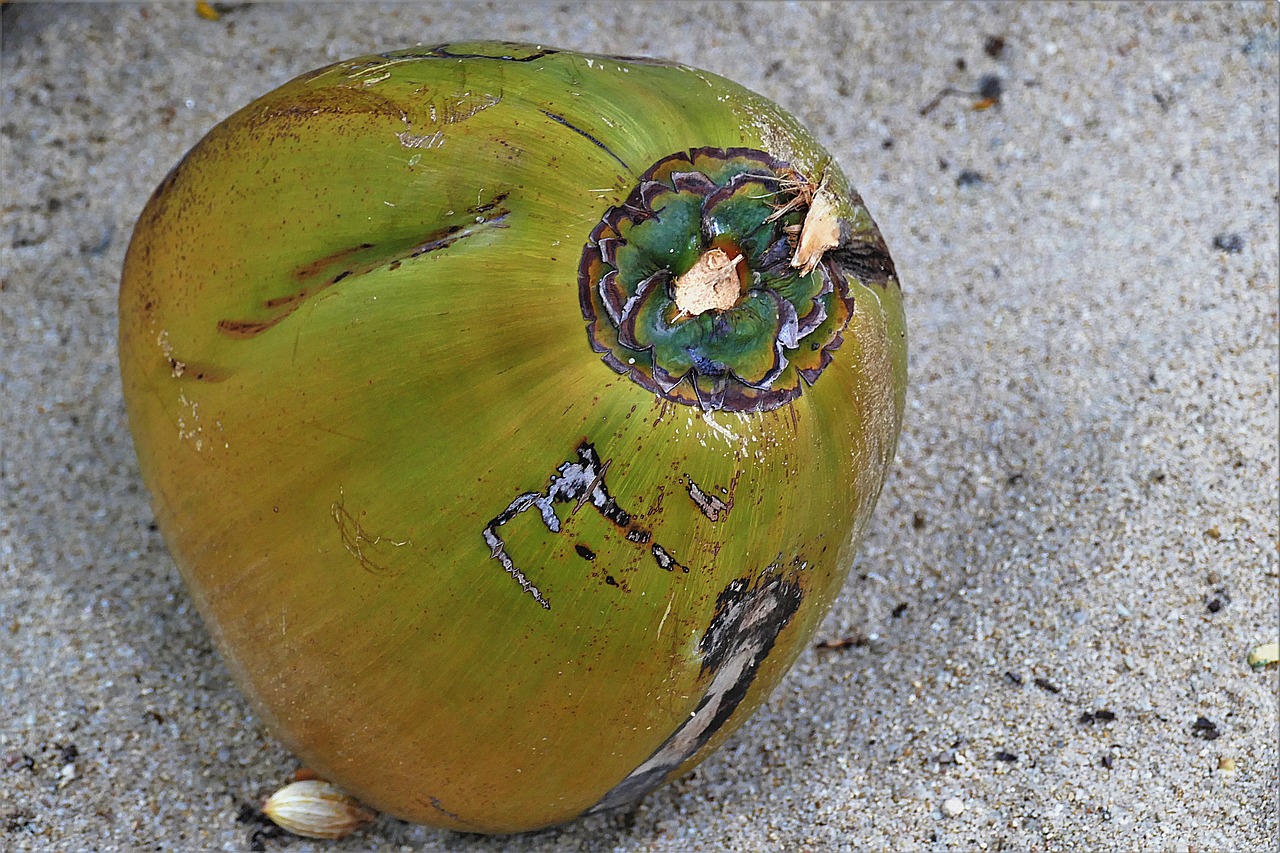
1073	557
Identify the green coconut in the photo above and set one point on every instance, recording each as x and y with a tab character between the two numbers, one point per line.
512	415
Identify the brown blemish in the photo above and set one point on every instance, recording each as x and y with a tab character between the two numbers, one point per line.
316	268
711	505
183	369
655	506
326	271
332	100
248	328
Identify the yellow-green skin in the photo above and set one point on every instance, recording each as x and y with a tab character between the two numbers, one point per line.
325	451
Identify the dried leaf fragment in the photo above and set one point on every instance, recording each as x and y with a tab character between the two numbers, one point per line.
843	642
821	228
712	284
314	808
206	11
820	232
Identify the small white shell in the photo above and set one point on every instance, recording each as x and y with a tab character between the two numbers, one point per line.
316	809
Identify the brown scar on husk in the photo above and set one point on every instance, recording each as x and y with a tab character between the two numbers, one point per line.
328	270
312	269
342	101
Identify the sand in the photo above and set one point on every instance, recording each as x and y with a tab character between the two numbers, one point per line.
1071	560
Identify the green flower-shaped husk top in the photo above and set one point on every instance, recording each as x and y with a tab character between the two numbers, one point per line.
753	356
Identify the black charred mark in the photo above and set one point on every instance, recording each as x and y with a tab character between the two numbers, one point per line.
447	51
559	119
747	621
710	505
642	60
665	560
751	614
319	275
485	208
608	507
867	261
584	552
580	482
435	804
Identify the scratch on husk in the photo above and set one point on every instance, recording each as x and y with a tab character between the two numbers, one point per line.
356	540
